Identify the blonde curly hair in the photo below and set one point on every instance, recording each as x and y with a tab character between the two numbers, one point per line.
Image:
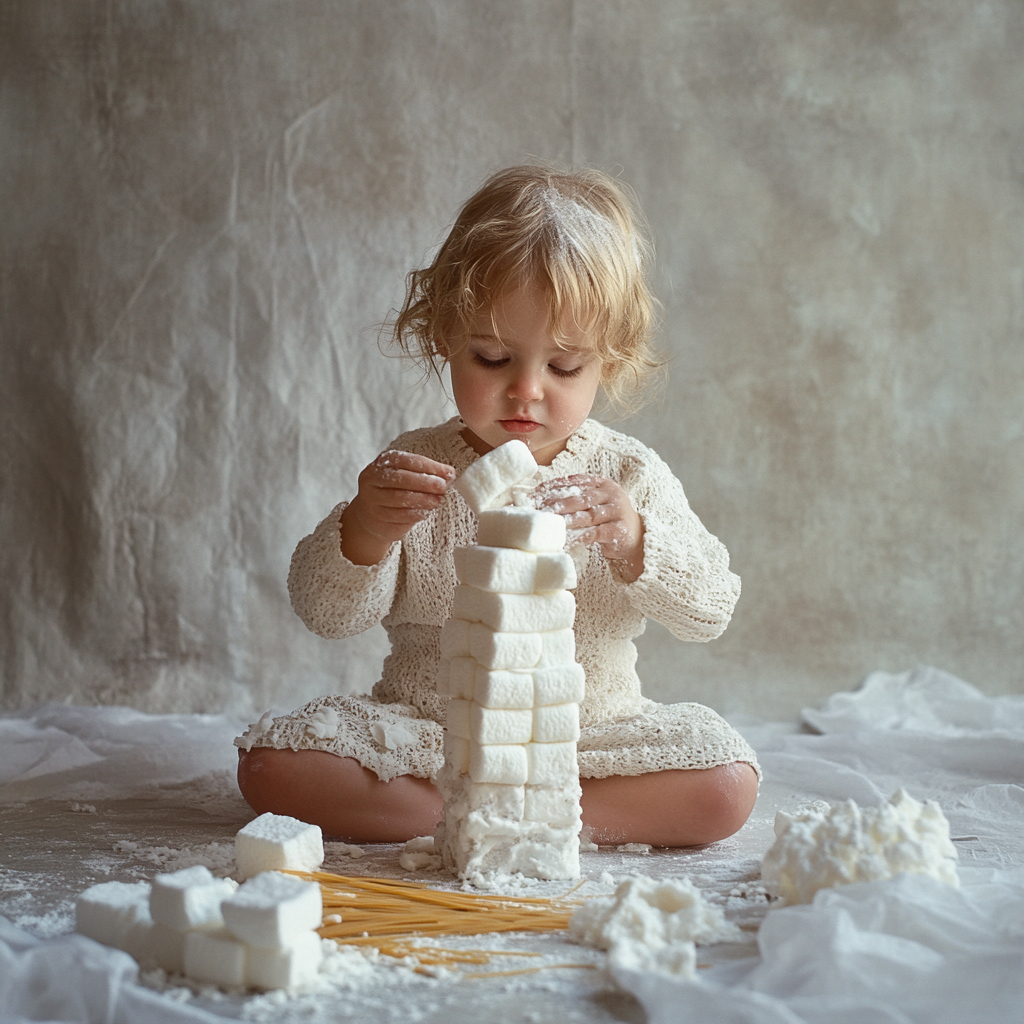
578	234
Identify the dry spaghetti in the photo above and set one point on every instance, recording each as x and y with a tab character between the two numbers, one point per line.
391	915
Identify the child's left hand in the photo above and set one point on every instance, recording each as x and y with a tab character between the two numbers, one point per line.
597	511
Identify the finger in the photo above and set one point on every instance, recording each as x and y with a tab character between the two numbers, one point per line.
596	515
407	480
408	499
612	537
395	459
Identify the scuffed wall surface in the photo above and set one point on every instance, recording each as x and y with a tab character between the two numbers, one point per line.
207	208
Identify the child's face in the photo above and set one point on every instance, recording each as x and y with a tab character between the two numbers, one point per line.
512	380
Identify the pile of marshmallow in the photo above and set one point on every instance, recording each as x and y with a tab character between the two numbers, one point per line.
260	934
511	779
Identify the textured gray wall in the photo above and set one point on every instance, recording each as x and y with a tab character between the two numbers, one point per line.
207	206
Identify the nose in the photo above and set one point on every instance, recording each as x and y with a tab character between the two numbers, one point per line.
525	385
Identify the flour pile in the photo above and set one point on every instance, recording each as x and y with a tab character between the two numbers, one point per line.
651	925
824	846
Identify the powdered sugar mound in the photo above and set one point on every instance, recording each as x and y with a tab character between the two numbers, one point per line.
825	846
418	855
652	925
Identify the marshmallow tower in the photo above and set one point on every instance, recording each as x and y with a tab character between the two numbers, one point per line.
510	778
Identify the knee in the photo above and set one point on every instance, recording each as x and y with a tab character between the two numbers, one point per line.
260	776
724	801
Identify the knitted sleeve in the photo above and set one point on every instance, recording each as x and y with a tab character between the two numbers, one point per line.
686	584
332	596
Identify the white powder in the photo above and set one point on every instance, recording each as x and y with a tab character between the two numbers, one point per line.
652	925
824	846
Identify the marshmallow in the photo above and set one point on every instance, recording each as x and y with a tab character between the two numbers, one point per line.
488	482
463	677
502	570
555	806
551	764
455	639
216	957
189	899
515	613
503	689
456	752
505	764
167	948
556	723
495	799
564	684
455	678
274	842
558	647
555	571
522	528
457	718
294	967
500	726
557	855
272	910
106	912
506	650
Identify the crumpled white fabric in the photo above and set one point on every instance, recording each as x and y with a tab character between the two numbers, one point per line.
907	950
72	978
76	752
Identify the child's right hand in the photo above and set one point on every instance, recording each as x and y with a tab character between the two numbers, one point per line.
396	491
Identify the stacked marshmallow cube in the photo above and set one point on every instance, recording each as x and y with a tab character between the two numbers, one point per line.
260	935
511	780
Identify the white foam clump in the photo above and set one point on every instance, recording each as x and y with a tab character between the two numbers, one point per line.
821	846
652	925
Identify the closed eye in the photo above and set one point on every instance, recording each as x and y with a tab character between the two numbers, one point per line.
559	372
490	363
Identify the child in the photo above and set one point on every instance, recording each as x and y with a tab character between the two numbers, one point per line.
535	301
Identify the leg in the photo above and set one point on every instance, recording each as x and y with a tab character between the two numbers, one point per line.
670	808
345	799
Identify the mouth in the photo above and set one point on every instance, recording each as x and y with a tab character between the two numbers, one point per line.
519	426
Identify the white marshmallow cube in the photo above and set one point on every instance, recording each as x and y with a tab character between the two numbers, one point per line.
500	726
557	856
551	764
189	898
291	968
455	678
495	800
276	842
107	912
502	570
455	639
506	764
505	650
515	613
523	528
503	689
558	807
555	571
272	910
216	957
457	718
558	647
463	678
167	947
488	482
564	684
456	752
556	723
